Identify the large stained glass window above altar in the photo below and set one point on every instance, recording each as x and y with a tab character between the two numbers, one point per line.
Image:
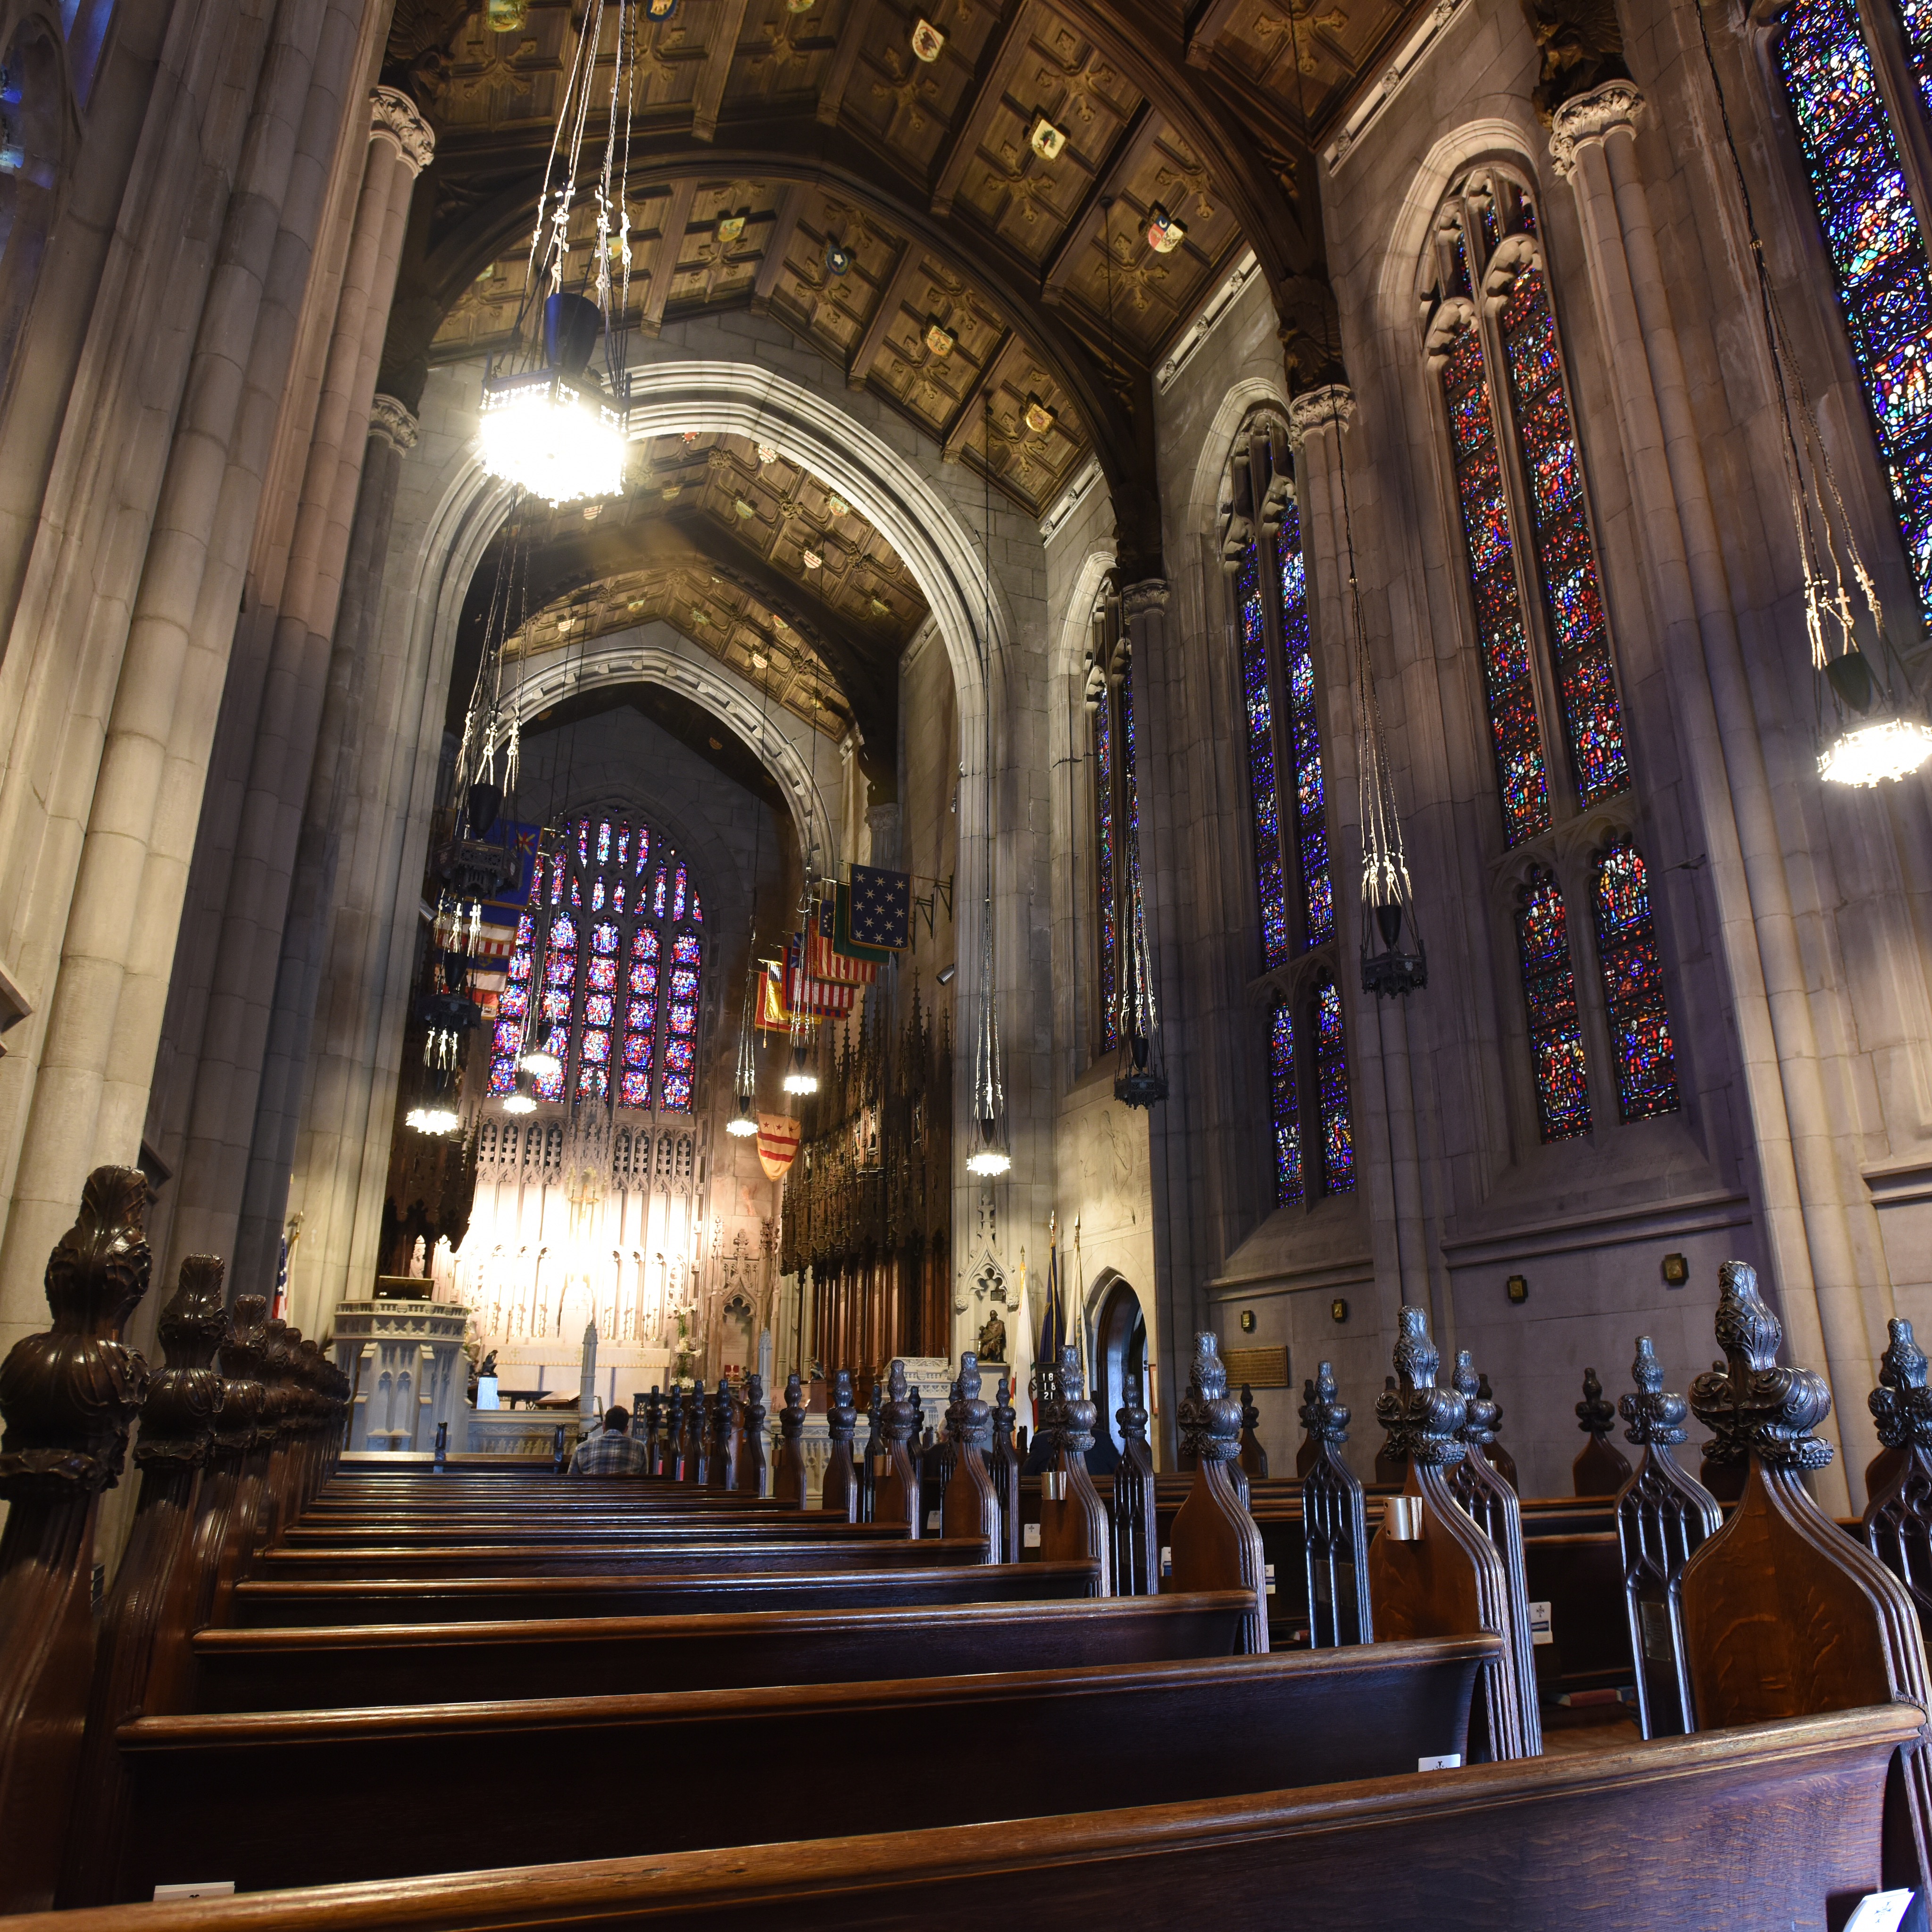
605	981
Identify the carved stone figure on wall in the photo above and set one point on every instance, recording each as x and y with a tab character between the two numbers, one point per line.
991	1346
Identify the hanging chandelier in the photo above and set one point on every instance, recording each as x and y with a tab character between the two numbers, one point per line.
552	428
1870	721
989	1158
742	1125
800	1077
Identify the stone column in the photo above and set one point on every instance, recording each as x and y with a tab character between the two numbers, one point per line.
1808	1182
227	1083
285	1072
90	1084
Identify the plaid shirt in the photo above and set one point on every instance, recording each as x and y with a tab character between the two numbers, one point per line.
608	1453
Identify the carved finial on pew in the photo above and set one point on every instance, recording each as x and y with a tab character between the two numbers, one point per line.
1003	1471
1897	1521
142	1656
1254	1457
1335	1537
1464	1582
1663	1515
839	1491
1485	1417
791	1482
69	1396
1601	1469
895	1489
1391	1459
1136	1527
697	1414
244	1356
1760	1595
1214	1544
670	1461
1074	1526
751	1463
1311	1446
969	1507
727	1415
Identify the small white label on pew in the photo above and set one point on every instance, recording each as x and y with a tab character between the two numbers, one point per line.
1270	1579
1166	1560
1879	1912
1029	1535
1449	1761
224	1888
1539	1623
932	1520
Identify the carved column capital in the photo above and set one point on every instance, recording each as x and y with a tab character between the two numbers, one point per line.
393	117
1148	597
1617	104
393	424
1332	405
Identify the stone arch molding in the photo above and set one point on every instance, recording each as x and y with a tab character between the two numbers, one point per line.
654	653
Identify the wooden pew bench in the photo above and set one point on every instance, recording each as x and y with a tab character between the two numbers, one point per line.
501	1599
289	1669
619	1556
397	1791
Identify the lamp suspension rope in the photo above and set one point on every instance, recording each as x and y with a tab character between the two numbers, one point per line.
990	1157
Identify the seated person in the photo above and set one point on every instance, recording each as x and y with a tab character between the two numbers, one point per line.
612	1451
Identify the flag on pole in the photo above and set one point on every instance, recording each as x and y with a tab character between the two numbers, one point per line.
842	941
881	908
774	1014
814	998
823	960
1052	1329
778	1144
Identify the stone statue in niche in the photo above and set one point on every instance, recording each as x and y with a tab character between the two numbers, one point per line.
991	1346
419	1258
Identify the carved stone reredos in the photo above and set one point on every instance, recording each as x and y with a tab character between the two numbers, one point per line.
1901	1405
1322	1416
69	1396
1211	1418
1423	1421
184	1398
1654	1416
1750	1404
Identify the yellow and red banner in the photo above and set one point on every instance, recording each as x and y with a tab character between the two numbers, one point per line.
778	1144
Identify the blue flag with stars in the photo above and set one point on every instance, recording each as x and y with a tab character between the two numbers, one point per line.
881	908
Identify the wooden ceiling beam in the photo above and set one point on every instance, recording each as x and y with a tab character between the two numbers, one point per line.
670	246
1106	187
968	413
845	59
771	264
996	69
891	301
1209	26
719	53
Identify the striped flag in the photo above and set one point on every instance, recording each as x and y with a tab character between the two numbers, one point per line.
815	998
823	960
778	1144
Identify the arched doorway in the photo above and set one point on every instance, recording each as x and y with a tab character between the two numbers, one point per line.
1120	1361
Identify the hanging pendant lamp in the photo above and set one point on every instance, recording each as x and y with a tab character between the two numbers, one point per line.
743	1124
551	428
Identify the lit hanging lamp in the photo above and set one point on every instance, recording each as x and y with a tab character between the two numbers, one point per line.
989	1158
551	428
1870	722
542	1065
743	1123
800	1077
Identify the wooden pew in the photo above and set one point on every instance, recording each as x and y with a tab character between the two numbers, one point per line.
393	1792
303	1668
1773	1825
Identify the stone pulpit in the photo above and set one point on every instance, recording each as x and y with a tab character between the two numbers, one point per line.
402	1353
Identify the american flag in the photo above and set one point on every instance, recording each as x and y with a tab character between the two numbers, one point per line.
821	960
881	908
812	996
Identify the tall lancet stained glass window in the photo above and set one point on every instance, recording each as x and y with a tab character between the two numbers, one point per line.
1641	1049
1555	1023
1524	521
1874	235
605	973
1287	794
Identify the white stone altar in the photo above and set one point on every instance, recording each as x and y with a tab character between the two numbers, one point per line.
407	1370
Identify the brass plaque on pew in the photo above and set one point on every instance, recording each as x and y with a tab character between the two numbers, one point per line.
1258	1368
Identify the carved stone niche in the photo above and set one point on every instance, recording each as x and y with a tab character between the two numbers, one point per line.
405	1363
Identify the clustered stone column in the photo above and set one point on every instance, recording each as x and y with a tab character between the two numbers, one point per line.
287	738
1810	1186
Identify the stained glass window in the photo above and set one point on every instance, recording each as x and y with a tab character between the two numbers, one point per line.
1549	991
1105	882
1872	232
1311	814
1264	800
1566	558
1285	1104
598	1010
1490	555
1331	1090
1640	1043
